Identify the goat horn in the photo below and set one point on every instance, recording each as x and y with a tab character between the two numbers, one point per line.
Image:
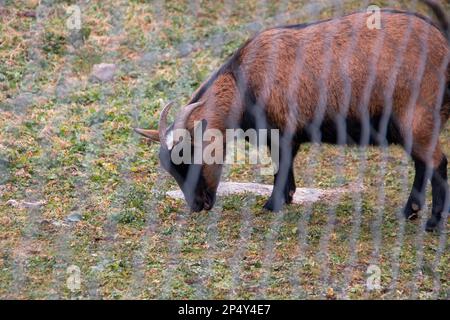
162	127
183	116
151	134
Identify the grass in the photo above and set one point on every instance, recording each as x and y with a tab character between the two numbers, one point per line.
68	141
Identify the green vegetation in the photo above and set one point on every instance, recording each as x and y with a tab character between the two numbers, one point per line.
69	142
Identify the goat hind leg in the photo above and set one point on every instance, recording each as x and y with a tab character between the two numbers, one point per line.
284	180
440	193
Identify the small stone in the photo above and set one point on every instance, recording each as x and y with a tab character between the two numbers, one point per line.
59	224
35	204
66	86
254	26
103	72
76	38
149	58
74	217
5	172
185	49
21	102
25	204
12	203
312	9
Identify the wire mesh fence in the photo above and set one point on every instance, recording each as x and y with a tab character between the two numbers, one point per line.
84	209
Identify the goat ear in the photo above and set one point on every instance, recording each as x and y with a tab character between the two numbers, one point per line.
153	135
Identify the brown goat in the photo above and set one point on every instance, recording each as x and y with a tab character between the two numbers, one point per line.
333	81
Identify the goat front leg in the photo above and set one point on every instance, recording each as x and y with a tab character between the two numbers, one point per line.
284	180
416	198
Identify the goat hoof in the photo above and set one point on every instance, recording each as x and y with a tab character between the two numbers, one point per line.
411	211
288	199
412	216
432	225
272	205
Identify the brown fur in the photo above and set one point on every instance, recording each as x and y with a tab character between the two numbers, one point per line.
386	86
301	74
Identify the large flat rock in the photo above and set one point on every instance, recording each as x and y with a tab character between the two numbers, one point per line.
302	195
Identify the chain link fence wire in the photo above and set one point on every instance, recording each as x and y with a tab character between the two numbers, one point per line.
83	205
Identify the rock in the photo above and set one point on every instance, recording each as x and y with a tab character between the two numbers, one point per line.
76	38
25	204
59	224
103	72
21	102
149	58
12	203
217	43
254	26
66	86
313	9
184	49
74	217
302	195
35	204
4	170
